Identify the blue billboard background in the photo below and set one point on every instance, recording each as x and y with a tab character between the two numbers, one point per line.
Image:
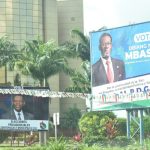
130	44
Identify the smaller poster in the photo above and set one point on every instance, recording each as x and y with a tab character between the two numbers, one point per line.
23	113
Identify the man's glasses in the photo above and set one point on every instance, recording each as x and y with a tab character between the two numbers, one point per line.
106	44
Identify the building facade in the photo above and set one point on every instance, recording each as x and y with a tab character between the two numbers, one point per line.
23	20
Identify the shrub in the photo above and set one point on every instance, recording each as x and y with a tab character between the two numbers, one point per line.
94	123
59	144
121	127
121	141
146	125
4	135
95	140
70	118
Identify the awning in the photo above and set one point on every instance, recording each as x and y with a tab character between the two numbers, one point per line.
126	106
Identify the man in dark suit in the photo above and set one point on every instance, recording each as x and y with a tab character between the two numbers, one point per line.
107	69
17	113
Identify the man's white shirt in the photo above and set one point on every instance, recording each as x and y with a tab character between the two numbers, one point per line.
105	65
21	115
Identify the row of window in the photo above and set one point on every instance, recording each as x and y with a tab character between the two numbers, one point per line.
23	20
19	5
22	1
18	12
21	23
20	31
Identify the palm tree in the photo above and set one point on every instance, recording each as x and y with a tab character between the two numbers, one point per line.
42	60
81	81
8	54
83	45
80	46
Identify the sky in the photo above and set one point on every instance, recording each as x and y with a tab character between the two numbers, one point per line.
114	13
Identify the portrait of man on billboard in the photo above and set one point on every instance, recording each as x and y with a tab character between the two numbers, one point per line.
23	112
17	111
107	69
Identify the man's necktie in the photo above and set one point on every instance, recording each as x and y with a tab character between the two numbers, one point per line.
110	76
19	116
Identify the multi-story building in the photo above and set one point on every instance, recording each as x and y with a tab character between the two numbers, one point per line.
24	20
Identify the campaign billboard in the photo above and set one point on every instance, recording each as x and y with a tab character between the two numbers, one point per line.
23	112
128	50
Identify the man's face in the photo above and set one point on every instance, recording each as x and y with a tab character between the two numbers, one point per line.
105	46
18	102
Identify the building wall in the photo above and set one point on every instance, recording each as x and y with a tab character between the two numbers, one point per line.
50	20
2	74
20	20
70	16
24	20
50	30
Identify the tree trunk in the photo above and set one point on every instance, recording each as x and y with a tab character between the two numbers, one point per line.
5	73
43	134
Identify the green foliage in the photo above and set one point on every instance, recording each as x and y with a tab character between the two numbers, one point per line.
94	123
92	140
146	126
100	114
59	144
147	111
51	125
111	128
101	141
42	60
121	126
71	118
121	141
37	147
80	47
8	52
17	80
73	145
3	136
134	127
68	144
82	44
80	81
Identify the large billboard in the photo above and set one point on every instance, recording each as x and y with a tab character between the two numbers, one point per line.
23	112
120	59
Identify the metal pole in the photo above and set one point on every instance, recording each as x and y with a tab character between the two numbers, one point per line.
91	103
42	137
56	126
128	124
141	127
56	132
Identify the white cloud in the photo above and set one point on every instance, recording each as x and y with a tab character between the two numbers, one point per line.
114	13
